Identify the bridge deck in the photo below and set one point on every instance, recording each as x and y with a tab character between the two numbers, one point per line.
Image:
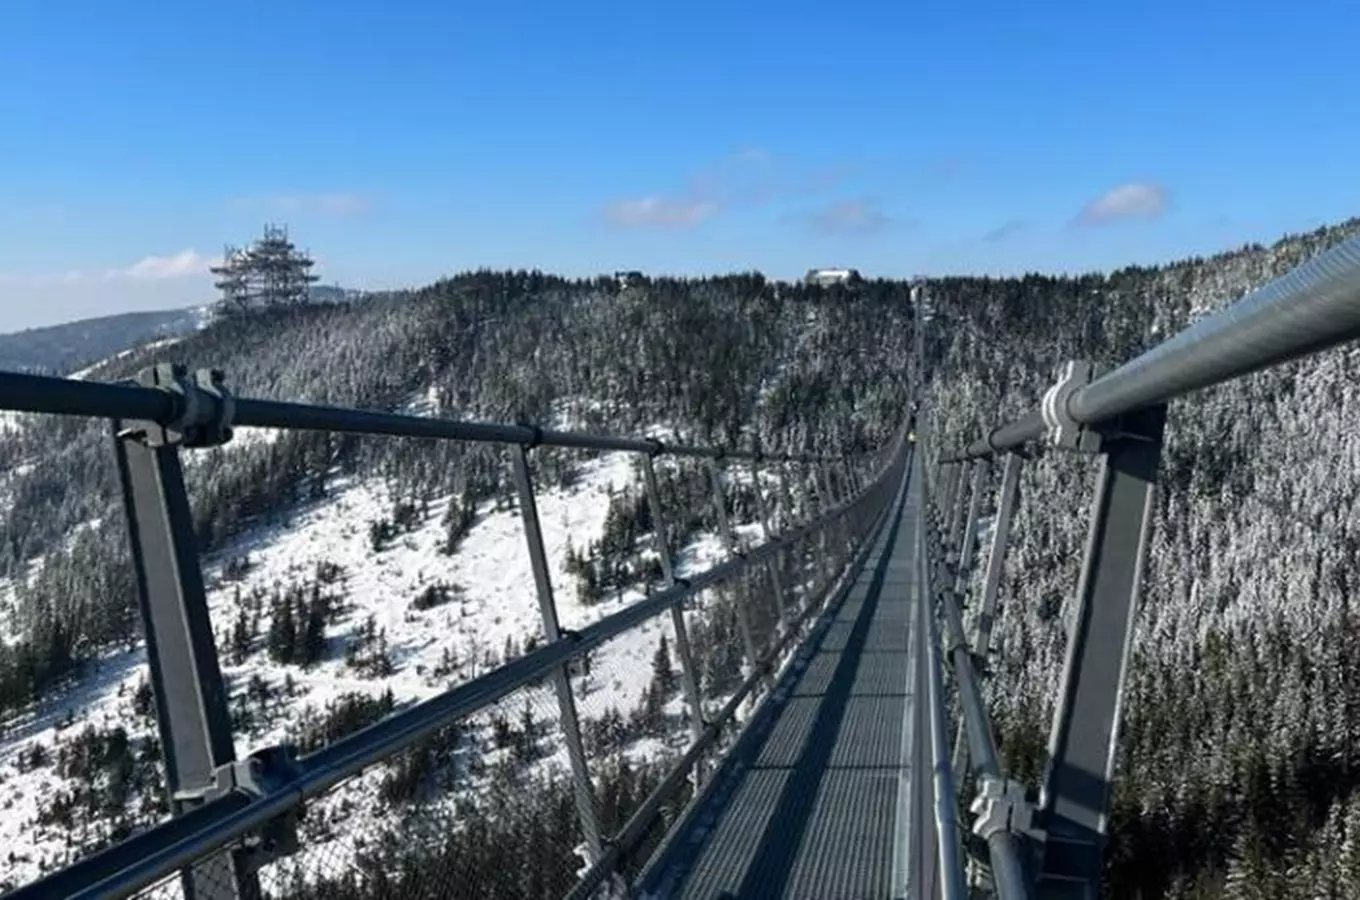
814	800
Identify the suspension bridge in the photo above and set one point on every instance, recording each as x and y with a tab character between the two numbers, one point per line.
830	768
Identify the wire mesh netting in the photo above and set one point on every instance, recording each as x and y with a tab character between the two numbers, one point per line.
635	721
491	806
482	808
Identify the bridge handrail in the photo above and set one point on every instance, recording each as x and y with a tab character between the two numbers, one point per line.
1310	309
633	830
1117	418
199	411
187	402
1005	855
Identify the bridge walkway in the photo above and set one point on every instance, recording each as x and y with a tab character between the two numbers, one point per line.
815	799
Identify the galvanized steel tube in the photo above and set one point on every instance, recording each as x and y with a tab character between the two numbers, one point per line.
1310	309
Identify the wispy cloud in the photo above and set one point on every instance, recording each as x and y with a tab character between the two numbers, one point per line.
750	177
335	204
1136	200
660	212
850	217
1004	232
177	265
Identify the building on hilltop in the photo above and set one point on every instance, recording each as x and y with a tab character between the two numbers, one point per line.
631	278
270	272
827	277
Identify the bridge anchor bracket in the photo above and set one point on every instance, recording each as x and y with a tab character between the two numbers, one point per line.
1000	805
1063	430
264	772
205	408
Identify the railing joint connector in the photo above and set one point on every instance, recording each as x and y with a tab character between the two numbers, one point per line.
1001	806
267	771
535	436
1063	430
203	413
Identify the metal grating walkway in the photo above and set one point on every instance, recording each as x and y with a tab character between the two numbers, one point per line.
813	802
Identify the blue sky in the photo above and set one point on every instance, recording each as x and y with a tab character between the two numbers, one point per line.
404	140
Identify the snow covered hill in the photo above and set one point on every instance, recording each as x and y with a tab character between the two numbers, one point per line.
402	624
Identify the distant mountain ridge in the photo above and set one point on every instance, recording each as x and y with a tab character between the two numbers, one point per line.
62	349
65	348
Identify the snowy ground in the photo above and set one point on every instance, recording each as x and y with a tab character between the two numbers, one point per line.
498	602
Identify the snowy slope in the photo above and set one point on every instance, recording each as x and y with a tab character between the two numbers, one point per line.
497	603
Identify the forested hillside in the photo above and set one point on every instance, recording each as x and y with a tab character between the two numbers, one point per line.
352	576
1240	751
721	361
1241	747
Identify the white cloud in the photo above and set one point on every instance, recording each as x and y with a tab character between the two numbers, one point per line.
663	212
179	265
850	217
749	177
1127	201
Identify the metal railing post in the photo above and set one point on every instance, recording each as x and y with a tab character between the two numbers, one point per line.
965	548
960	502
836	495
998	823
729	540
586	808
965	571
763	510
824	503
996	556
1074	801
688	672
801	550
951	882
192	714
949	474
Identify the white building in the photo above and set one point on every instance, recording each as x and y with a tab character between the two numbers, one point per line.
825	277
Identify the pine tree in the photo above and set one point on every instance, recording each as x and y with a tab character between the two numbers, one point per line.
314	632
663	675
240	637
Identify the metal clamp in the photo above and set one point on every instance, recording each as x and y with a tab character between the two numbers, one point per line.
535	435
206	408
265	772
1063	430
1001	805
